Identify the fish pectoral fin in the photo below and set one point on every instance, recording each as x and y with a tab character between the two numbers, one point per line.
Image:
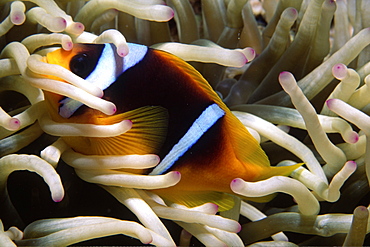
148	132
193	199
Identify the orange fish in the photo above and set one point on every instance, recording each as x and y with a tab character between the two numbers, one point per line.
175	114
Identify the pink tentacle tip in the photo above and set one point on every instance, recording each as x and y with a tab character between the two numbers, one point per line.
339	71
239	228
284	75
294	11
78	28
58	198
249	54
215	207
61	23
18	18
177	174
291	13
352	164
113	110
147	242
123	51
14	124
67	46
285	79
354	138
171	13
129	123
362	210
330	102
237	184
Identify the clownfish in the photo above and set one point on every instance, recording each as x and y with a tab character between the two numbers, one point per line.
175	114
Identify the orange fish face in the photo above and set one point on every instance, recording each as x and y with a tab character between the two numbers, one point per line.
81	60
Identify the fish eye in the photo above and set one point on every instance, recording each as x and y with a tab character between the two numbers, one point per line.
81	65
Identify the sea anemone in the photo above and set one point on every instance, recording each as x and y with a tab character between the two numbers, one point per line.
295	73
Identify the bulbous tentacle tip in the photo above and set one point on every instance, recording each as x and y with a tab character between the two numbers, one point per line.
249	54
100	93
58	24
156	159
173	177
176	175
215	207
352	165
239	229
67	46
166	13
18	18
329	103
122	50
111	109
362	209
237	184
76	28
339	71
284	75
293	11
14	124
171	14
287	80
353	138
58	196
127	124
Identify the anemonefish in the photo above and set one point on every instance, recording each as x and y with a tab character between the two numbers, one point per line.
175	114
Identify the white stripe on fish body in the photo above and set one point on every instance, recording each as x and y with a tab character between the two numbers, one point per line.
205	121
108	68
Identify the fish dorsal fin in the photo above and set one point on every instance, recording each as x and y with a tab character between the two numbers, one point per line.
148	132
194	74
223	200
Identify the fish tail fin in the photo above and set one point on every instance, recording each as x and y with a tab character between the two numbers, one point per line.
277	171
251	155
268	172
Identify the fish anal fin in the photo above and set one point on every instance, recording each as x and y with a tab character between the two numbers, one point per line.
148	132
